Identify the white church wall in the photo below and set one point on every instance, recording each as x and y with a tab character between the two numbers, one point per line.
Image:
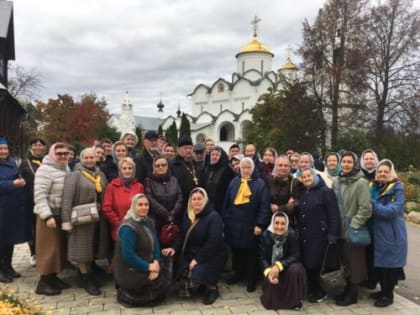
254	60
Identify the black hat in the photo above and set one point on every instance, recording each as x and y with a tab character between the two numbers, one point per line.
151	134
184	140
199	147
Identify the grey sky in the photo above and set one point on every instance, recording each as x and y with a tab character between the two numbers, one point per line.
148	48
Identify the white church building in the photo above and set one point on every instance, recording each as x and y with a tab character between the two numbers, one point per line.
221	111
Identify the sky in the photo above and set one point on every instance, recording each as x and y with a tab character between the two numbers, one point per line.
155	49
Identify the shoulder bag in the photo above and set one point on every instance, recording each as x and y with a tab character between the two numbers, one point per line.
332	282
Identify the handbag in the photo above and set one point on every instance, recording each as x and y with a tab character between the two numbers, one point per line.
360	237
85	213
168	233
333	282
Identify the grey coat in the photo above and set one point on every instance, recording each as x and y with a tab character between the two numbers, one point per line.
79	190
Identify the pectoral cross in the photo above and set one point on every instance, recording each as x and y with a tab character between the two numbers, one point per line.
195	179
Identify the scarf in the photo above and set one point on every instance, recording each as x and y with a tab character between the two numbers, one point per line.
131	212
244	193
96	180
279	240
192	216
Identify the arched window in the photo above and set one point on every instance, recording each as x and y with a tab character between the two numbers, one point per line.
220	88
227	132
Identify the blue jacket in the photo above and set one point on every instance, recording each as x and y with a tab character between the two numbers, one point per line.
389	229
13	226
240	220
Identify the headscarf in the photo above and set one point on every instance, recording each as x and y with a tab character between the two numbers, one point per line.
190	212
51	153
129	133
275	169
362	164
127	181
356	168
315	177
279	240
337	169
378	188
132	213
243	196
298	173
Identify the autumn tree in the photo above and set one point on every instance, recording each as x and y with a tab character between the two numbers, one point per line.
333	60
79	122
392	42
289	118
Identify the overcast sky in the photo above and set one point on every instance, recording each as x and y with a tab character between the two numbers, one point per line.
149	47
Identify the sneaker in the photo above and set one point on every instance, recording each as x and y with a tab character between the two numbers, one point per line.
32	261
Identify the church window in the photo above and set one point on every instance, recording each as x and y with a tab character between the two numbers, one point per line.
220	88
227	132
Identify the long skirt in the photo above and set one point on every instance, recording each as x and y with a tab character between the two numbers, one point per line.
289	292
50	248
354	261
151	292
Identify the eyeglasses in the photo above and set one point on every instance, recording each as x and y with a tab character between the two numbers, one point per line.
161	165
62	153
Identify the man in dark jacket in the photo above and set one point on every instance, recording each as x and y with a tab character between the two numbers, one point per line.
185	169
144	162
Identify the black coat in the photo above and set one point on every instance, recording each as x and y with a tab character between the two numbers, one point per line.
216	180
109	168
165	198
281	189
27	170
291	249
205	244
182	171
318	223
144	166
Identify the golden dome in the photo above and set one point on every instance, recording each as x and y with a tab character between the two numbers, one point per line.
288	65
255	46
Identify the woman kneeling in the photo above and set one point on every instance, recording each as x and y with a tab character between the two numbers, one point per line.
285	278
201	248
140	278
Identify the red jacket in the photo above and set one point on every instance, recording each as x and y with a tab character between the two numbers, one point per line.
117	201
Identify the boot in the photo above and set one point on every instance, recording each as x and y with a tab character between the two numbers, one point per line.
351	296
343	295
45	287
211	296
87	283
5	277
7	263
58	283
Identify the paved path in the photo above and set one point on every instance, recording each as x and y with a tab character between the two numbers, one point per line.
234	300
410	288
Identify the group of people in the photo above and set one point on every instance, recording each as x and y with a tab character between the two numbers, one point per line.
187	215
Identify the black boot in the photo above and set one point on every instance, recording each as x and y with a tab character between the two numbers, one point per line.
57	282
8	263
45	287
351	296
87	283
343	295
210	296
235	278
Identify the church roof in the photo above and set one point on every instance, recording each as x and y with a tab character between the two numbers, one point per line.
288	65
147	123
6	29
254	46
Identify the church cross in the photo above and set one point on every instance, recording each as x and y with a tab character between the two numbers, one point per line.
255	22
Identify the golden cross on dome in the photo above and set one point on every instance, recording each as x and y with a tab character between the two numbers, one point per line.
255	22
289	51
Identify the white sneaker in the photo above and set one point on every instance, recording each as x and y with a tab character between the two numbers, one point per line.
32	261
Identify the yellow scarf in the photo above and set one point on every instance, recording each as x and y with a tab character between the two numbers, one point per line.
36	162
244	193
95	180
